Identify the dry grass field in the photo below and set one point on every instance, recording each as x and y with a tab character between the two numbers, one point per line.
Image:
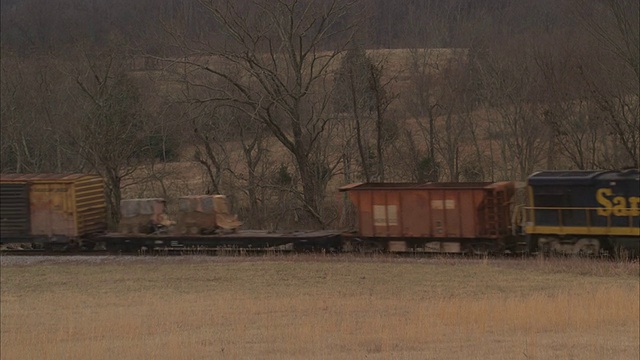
315	307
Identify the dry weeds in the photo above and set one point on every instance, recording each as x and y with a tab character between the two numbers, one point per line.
319	307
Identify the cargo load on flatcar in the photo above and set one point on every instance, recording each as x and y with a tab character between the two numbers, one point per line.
205	214
567	212
143	216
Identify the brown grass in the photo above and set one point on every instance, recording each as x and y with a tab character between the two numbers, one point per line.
317	307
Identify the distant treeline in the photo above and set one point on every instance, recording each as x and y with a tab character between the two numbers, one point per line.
30	26
275	102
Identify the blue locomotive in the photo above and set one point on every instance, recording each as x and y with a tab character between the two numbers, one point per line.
583	212
567	212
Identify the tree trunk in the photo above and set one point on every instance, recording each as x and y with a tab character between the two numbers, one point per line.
310	190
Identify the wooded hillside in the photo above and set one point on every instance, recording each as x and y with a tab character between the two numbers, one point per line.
276	103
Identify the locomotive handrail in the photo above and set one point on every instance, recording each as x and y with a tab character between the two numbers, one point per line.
530	223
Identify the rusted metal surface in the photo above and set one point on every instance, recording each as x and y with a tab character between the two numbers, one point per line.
90	205
141	215
199	203
14	210
67	205
433	210
202	214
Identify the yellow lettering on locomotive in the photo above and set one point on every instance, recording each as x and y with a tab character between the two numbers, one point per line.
618	206
634	206
602	200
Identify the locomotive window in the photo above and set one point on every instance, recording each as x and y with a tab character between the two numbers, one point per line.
556	198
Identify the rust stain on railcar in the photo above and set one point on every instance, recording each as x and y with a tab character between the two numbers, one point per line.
71	205
205	214
140	215
52	209
432	210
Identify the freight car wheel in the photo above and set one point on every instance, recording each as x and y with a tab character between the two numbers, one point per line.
360	246
480	249
587	247
87	246
374	247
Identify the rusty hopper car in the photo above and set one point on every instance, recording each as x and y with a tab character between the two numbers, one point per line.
433	217
50	208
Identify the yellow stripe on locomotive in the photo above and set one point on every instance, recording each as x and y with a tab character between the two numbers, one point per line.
567	207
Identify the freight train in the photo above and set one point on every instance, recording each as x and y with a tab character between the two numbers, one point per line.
567	212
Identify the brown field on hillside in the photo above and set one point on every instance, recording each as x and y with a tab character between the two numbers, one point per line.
184	176
318	307
188	176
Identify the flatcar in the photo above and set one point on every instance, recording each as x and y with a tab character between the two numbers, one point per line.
568	212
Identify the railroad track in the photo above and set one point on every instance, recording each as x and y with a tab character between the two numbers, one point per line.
42	252
230	252
153	252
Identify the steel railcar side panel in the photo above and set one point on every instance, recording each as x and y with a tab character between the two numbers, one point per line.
90	206
60	207
14	212
433	210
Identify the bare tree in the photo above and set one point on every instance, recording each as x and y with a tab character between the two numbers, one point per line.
386	130
353	96
613	75
111	133
34	109
411	161
568	109
211	131
285	72
438	84
254	147
512	89
422	102
362	94
453	130
614	24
